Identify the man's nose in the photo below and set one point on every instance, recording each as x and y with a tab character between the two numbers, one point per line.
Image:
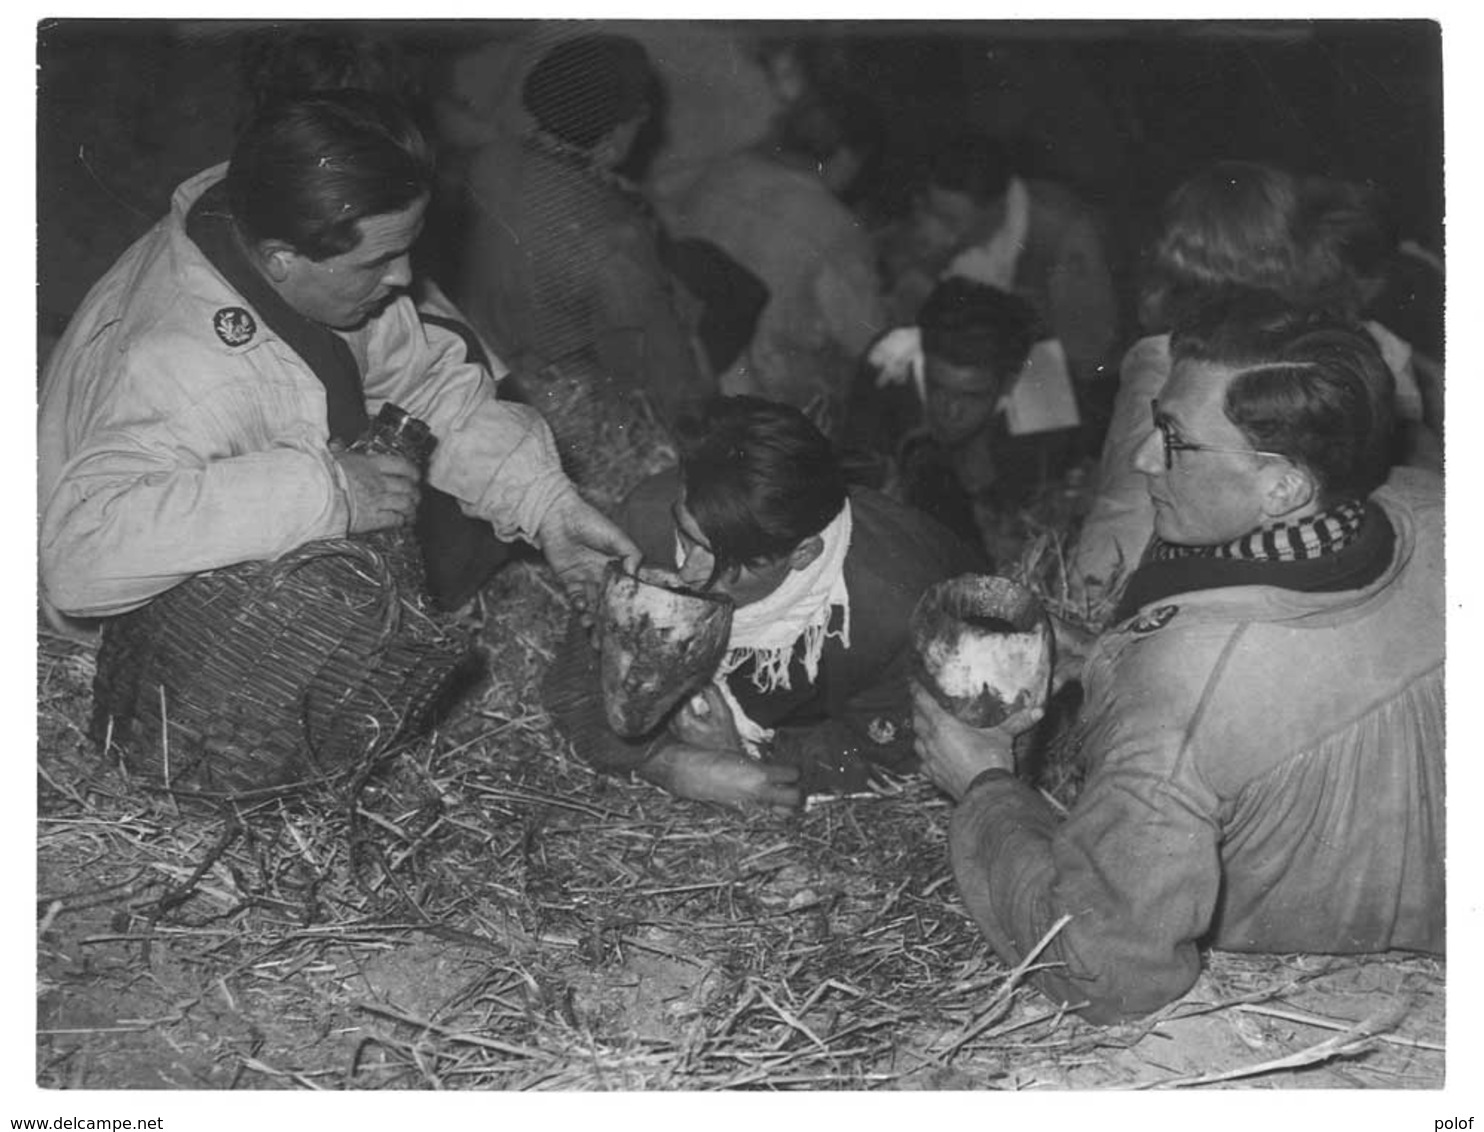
399	272
1149	457
695	571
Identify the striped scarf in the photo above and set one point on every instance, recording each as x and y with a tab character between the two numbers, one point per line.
1298	541
1345	548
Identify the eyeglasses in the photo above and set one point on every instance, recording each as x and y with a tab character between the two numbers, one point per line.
1174	443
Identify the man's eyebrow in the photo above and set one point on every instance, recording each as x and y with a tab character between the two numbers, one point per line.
387	257
1163	416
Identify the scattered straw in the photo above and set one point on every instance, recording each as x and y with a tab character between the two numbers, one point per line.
485	912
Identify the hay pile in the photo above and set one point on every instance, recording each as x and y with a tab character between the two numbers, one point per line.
488	913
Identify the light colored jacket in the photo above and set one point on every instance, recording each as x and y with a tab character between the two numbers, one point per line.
1265	773
784	225
165	450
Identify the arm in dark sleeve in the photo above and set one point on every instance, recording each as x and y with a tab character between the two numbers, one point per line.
863	715
1135	866
640	336
869	725
834	757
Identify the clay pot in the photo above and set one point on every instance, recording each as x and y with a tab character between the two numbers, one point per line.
658	644
984	647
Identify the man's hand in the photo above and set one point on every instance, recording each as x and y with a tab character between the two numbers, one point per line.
706	721
578	540
383	489
897	356
722	776
953	754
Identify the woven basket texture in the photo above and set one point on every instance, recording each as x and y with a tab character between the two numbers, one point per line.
267	674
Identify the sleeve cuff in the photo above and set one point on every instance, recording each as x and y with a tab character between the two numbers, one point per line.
993	774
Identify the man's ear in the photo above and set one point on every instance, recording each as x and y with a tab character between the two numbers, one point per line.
806	552
276	257
1293	490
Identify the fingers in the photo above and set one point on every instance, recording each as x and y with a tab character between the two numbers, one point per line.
780	773
384	489
398	496
782	799
778	790
394	466
1024	720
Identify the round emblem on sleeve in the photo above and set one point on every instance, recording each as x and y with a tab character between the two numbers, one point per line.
234	326
1156	618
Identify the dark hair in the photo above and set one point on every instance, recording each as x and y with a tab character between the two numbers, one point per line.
308	170
1354	237
583	87
1310	386
973	324
971	163
278	63
759	478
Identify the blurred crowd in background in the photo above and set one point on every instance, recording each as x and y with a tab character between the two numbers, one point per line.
811	189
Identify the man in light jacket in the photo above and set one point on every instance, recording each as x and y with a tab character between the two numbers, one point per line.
1263	728
199	411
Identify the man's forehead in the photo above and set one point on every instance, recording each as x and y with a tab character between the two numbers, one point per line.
961	378
1195	384
389	231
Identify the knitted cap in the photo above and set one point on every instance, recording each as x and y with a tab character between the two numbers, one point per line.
583	87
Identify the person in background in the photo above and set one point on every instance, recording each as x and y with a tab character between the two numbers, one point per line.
1263	728
974	216
1233	228
1358	244
278	63
199	410
812	692
775	209
562	270
940	428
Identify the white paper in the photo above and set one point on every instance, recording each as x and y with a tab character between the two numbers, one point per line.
1042	400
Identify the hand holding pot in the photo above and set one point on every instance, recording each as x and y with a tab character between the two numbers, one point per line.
953	754
705	720
578	541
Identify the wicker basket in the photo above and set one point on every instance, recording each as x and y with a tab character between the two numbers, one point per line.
260	676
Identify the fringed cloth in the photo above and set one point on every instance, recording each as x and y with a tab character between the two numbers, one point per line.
767	632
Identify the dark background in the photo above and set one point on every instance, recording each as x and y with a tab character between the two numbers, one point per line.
1122	110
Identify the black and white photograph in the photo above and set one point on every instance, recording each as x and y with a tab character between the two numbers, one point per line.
678	555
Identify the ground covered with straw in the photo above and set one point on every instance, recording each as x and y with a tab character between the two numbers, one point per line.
487	913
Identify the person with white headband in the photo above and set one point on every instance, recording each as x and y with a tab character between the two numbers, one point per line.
812	691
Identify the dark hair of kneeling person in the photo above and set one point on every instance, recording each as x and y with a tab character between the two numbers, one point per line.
811	695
